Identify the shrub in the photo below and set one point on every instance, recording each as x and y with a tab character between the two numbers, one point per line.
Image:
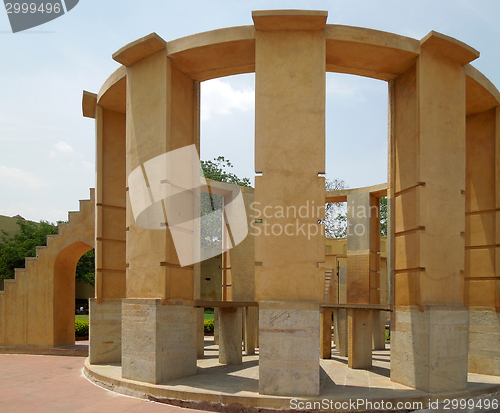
81	328
209	326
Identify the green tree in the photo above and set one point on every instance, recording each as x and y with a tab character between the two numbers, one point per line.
335	217
216	170
211	205
15	248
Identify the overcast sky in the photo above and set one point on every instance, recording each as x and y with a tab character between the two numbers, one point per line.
47	150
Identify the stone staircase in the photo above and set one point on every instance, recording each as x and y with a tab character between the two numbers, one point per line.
37	306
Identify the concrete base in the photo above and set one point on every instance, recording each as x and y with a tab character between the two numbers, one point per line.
378	331
484	341
105	331
159	341
289	348
251	329
326	333
340	323
360	338
230	337
429	348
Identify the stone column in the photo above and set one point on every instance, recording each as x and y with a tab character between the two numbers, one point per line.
360	325
363	260
326	333
378	333
429	202
243	276
251	329
110	230
158	317
230	335
290	49
200	338
482	240
341	331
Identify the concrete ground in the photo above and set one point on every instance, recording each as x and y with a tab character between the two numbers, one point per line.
52	384
36	383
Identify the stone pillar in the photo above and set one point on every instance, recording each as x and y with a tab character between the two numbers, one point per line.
363	260
326	333
159	341
290	329
360	324
482	240
230	335
110	231
341	331
429	202
162	116
243	277
216	325
200	338
251	329
290	50
378	332
105	321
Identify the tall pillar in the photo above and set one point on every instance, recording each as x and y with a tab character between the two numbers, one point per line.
290	50
110	228
363	263
482	240
162	116
243	276
430	330
341	314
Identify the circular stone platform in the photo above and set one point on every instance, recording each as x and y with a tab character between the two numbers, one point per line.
219	387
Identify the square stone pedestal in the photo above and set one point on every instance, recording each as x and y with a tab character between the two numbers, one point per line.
230	335
105	334
289	342
340	331
378	330
429	348
360	338
484	341
159	341
251	330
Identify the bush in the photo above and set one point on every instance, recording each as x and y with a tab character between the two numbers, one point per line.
209	326
81	328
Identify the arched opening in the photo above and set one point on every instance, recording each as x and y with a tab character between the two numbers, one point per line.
64	293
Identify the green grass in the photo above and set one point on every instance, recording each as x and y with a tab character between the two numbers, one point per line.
209	314
82	317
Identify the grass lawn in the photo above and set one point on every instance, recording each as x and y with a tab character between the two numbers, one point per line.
82	317
209	314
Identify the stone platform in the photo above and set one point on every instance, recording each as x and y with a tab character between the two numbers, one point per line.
216	386
79	349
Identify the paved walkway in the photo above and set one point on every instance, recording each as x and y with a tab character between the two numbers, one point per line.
39	384
52	384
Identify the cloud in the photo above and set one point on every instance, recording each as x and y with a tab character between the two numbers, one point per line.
63	147
19	179
220	98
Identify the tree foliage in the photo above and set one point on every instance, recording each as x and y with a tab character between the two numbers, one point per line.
15	248
211	204
216	170
335	215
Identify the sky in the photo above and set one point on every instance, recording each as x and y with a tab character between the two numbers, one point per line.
47	148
